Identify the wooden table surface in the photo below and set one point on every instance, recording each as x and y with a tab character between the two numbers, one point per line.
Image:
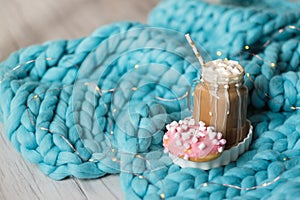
24	23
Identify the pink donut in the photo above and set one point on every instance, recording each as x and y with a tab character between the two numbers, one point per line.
193	141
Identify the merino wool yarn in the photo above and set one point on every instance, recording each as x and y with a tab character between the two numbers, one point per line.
227	31
226	28
64	99
99	105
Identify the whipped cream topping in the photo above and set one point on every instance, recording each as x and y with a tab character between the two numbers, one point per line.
222	71
189	139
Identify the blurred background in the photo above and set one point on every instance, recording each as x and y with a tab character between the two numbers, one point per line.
23	23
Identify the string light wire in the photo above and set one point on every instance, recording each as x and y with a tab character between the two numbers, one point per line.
113	149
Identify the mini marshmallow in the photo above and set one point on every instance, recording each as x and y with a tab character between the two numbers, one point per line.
223	141
174	123
172	130
202	146
191	122
192	131
224	67
211	129
194	140
201	123
186	145
178	129
211	135
168	127
178	143
215	142
236	71
220	149
186	157
219	136
186	136
184	127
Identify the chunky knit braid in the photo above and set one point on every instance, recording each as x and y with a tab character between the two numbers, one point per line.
99	104
226	28
56	117
273	81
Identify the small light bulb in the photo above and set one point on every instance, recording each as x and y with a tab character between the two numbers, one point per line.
114	159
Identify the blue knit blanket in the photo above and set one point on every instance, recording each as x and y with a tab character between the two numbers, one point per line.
98	105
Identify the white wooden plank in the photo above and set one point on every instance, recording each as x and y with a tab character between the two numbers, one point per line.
22	180
107	187
36	21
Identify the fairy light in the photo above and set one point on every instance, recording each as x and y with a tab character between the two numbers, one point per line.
279	32
266	94
285	159
98	89
35	97
113	149
295	108
114	159
92	160
219	53
138	156
171	100
65	139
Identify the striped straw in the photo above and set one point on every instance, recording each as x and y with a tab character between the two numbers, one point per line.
196	52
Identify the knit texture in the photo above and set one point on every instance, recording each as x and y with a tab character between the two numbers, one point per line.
99	105
226	28
72	106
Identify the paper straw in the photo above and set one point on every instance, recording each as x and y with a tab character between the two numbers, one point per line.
196	52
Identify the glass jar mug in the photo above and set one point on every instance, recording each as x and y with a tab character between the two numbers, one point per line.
220	100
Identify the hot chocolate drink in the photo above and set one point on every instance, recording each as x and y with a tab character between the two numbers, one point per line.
220	100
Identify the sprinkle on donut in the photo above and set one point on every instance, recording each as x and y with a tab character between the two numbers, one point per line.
193	141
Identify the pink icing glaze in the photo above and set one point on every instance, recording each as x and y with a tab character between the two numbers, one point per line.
191	140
